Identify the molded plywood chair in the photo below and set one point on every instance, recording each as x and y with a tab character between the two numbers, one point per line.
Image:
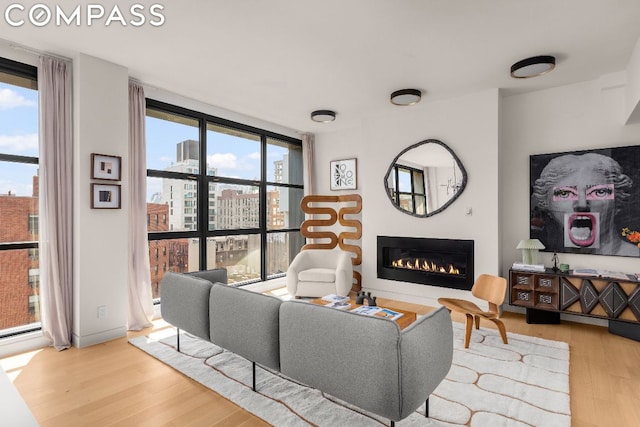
489	288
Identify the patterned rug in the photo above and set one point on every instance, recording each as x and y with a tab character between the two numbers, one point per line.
523	383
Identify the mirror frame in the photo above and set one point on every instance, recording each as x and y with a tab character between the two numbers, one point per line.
463	184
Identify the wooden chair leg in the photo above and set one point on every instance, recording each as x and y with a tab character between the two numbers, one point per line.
501	328
477	319
467	329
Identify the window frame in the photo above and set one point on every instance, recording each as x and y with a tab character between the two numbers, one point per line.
28	73
203	180
413	193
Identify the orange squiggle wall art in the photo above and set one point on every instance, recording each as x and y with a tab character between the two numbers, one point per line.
348	204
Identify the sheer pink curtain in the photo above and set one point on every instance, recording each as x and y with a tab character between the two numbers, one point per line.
140	298
56	200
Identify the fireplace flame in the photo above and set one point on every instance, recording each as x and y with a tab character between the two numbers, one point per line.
424	265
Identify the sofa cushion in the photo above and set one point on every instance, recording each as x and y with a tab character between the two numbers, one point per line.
185	303
246	323
317	275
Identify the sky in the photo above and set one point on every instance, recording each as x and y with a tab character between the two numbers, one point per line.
19	136
232	156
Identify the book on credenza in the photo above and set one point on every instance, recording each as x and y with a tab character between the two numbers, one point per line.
528	267
593	272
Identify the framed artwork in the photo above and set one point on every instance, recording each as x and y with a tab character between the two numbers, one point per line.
587	202
106	167
343	174
105	196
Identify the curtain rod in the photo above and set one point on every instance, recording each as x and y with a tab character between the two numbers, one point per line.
37	52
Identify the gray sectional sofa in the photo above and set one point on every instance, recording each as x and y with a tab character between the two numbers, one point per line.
366	361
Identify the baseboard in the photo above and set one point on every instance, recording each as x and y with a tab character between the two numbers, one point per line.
98	338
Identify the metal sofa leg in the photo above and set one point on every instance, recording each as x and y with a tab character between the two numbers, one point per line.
426	408
178	339
254	376
392	423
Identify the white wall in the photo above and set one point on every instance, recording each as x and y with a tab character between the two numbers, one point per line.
101	258
581	116
469	126
632	98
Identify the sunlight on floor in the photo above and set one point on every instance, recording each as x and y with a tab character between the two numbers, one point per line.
13	365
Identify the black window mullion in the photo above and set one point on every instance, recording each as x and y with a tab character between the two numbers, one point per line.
263	208
203	196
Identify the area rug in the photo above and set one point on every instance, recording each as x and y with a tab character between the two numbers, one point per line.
523	383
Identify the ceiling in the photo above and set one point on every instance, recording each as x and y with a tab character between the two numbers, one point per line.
278	60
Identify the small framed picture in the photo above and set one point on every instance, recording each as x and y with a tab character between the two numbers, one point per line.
343	174
106	167
105	196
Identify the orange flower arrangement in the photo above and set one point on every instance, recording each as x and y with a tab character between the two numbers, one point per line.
632	236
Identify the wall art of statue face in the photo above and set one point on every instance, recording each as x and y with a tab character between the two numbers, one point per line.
575	202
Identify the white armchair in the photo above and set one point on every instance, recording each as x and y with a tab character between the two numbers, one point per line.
320	272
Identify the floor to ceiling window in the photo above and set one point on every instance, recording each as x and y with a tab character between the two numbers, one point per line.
220	194
19	266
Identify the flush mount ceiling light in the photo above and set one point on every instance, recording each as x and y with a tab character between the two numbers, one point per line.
406	97
532	67
323	116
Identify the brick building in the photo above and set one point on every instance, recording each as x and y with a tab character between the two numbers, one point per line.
19	268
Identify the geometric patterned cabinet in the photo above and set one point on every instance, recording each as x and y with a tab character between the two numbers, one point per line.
600	297
613	299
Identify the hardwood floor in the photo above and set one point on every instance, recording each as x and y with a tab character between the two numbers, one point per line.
115	384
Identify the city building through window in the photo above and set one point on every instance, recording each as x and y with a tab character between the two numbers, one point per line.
240	190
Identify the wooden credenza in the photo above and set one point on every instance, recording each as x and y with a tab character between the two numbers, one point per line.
547	294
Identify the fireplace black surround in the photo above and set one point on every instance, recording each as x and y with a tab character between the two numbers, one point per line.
438	262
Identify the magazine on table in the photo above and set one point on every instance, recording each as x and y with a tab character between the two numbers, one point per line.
334	298
340	305
389	314
365	309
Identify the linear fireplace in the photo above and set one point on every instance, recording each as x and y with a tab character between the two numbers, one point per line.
437	262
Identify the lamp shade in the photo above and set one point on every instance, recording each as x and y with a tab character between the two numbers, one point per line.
530	244
406	97
323	116
530	249
532	67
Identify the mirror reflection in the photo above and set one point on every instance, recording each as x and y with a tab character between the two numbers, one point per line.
425	178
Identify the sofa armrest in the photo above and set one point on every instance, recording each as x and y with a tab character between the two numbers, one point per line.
216	275
426	355
344	274
350	356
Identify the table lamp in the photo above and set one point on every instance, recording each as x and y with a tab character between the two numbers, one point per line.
530	249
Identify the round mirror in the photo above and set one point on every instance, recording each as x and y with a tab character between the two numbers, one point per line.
425	178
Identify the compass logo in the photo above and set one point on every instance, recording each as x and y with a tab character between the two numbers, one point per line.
41	15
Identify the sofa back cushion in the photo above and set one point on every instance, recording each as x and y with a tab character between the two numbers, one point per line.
350	356
185	303
246	323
